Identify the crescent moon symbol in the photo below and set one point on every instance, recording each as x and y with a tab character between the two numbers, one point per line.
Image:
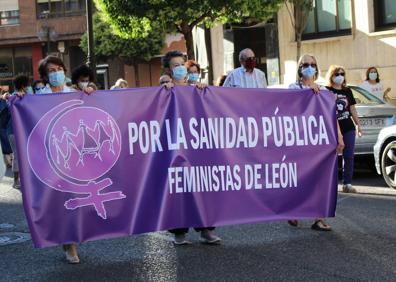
40	164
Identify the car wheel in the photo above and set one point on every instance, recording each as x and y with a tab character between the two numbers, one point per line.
388	164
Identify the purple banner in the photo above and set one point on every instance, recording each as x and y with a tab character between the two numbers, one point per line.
124	162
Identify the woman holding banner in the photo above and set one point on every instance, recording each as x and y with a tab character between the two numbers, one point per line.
174	65
307	74
52	72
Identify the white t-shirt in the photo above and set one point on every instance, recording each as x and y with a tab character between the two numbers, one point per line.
48	90
240	78
376	89
297	85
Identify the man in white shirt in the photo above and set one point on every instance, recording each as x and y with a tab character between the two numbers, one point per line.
246	76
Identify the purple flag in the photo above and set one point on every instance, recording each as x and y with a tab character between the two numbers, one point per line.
124	162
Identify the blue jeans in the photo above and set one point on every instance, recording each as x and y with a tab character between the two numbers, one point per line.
348	156
5	144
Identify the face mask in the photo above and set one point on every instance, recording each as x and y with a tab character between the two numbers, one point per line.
193	77
29	90
83	85
338	79
179	73
373	75
57	78
308	72
250	63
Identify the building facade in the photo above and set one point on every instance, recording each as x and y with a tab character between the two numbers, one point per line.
356	34
31	29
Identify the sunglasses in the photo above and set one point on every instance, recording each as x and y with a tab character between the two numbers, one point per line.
39	88
305	65
251	59
164	81
339	74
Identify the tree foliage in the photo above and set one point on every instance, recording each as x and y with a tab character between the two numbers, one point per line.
109	45
299	12
137	18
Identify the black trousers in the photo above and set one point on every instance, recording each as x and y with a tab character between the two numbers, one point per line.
178	231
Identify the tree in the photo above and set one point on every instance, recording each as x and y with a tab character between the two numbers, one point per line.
137	18
130	50
299	18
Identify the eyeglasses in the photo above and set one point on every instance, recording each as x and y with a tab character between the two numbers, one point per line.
339	74
305	65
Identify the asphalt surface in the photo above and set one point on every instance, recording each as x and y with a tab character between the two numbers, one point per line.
361	247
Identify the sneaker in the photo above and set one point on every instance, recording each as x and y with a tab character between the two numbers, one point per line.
208	237
180	239
71	254
347	188
16	185
72	259
320	225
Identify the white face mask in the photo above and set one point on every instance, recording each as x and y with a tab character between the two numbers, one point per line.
83	85
373	75
338	79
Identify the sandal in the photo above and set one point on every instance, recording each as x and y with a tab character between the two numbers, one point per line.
293	222
320	225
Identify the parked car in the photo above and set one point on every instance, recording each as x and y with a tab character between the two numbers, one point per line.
374	114
385	155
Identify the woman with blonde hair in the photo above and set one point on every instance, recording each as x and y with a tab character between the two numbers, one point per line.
348	120
120	83
307	73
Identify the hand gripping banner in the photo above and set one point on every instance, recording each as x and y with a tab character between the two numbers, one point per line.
124	162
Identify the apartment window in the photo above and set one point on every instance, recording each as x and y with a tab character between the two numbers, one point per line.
14	61
329	18
59	8
385	14
9	12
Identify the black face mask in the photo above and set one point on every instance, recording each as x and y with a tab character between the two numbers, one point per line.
250	63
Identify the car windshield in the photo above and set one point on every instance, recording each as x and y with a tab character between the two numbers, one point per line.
363	97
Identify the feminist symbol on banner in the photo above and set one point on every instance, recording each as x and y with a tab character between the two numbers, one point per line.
71	148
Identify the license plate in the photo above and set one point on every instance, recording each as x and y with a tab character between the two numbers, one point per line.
373	122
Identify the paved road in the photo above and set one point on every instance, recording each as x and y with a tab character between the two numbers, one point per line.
362	247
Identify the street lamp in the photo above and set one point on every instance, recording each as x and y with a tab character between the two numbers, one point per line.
91	62
46	32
